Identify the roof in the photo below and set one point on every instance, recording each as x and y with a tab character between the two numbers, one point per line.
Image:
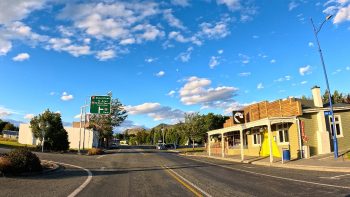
307	104
7	132
337	105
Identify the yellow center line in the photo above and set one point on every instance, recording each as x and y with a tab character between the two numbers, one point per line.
193	190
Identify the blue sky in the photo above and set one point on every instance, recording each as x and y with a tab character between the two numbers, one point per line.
165	58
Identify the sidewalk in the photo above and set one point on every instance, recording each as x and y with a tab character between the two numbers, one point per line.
324	163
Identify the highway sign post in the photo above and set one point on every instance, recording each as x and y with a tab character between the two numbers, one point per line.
100	105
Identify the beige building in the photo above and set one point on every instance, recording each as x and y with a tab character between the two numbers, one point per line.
91	138
269	128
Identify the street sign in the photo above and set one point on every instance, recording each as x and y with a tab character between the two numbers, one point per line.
238	117
327	113
100	105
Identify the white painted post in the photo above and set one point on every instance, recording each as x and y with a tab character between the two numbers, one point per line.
208	144
270	140
241	139
222	145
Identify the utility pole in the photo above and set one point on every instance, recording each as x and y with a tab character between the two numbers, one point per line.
316	31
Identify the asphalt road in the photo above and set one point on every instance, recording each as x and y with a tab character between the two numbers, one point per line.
141	172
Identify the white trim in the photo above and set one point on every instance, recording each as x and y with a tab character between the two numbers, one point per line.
336	122
259	135
283	129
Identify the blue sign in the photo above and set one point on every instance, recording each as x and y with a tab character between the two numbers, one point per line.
327	113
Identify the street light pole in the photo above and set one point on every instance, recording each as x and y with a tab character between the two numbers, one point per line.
163	135
316	31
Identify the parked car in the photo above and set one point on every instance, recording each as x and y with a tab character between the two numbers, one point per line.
161	147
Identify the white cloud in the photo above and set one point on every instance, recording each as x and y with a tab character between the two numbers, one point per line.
273	61
177	36
171	93
340	9
66	97
52	93
182	3
156	111
18	9
260	86
244	74
127	41
233	5
214	31
29	116
305	70
245	59
160	74
106	54
185	56
311	44
336	72
21	57
221	51
285	78
292	5
214	61
255	36
65	44
77	116
150	60
196	91
4	112
5	46
347	68
172	20
303	82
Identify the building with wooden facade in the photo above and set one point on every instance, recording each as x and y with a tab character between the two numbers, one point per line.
267	128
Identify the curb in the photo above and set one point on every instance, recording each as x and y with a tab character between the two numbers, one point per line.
287	165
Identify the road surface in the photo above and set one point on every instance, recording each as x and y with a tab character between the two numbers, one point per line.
143	172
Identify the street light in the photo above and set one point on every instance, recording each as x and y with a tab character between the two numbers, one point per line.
316	31
163	135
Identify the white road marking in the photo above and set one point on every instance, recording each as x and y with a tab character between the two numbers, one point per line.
335	177
82	186
325	158
248	167
101	156
187	181
273	176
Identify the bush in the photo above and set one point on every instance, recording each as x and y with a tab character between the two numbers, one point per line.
95	151
22	160
5	164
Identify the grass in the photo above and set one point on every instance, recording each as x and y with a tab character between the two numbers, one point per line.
13	144
191	150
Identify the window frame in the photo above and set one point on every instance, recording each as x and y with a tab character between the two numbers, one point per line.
258	134
341	134
282	128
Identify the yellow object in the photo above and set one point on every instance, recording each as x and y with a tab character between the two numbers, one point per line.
265	147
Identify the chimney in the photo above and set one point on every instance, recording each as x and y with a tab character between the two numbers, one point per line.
316	95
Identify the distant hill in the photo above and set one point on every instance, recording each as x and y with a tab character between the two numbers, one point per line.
14	122
134	131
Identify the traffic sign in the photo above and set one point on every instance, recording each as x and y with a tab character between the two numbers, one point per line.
327	113
100	105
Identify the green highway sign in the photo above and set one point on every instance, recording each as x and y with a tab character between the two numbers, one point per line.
100	105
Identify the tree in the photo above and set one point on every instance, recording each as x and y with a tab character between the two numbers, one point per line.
194	127
10	127
104	124
50	124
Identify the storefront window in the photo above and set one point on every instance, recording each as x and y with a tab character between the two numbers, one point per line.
256	137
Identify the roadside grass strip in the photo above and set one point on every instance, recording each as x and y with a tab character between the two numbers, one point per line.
272	176
186	183
82	186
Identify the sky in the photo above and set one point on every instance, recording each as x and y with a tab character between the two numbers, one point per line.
162	59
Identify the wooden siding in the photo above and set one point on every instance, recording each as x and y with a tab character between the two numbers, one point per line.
343	142
311	128
279	108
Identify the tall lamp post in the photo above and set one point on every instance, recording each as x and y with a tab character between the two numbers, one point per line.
316	31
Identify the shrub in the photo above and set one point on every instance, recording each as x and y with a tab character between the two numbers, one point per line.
5	164
22	160
95	151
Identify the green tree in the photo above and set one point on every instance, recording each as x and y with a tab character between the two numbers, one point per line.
347	98
194	127
104	124
50	124
10	127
